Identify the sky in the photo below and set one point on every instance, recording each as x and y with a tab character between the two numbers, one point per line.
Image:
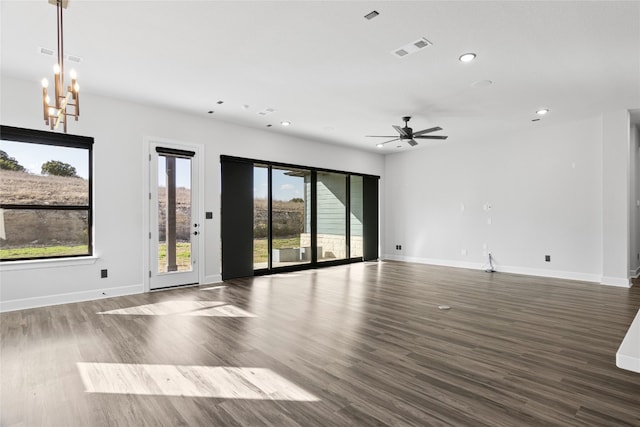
183	172
32	156
285	187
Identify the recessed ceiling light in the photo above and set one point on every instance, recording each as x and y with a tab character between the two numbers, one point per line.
535	120
481	83
285	123
220	102
269	126
210	112
542	111
467	57
380	145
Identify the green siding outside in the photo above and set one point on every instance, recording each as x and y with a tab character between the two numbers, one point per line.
332	200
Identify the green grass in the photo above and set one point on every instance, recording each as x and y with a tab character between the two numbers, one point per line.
260	247
183	256
183	253
41	252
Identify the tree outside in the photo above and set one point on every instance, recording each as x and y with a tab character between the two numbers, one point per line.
9	163
58	168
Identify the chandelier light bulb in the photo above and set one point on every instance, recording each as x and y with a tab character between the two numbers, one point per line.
45	83
56	69
76	87
52	111
73	74
47	99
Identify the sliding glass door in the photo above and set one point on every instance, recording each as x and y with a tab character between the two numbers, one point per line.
278	217
260	217
355	216
290	217
331	216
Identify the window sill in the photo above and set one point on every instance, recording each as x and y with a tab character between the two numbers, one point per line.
33	264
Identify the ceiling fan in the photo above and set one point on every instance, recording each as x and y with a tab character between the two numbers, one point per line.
407	134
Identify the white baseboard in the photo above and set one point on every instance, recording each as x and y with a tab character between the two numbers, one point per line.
634	273
214	278
433	261
569	275
615	281
25	303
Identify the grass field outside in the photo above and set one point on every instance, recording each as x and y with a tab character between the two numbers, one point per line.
260	247
41	252
183	256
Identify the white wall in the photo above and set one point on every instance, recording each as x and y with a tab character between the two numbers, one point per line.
541	190
119	129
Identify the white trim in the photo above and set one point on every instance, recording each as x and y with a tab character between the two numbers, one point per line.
569	275
214	278
634	273
34	264
433	261
615	281
25	303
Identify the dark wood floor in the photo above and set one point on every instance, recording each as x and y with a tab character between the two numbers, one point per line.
366	341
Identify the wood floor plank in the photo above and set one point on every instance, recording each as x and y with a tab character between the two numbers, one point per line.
367	340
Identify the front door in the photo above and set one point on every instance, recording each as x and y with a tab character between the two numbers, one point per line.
175	232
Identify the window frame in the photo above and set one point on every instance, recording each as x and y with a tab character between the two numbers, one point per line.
32	136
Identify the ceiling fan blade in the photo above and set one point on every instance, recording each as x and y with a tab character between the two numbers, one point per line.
380	136
412	142
431	137
391	140
422	132
400	130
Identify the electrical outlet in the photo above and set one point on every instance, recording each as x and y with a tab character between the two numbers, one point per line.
547	258
399	247
103	273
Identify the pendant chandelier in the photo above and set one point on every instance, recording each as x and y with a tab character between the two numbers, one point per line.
66	99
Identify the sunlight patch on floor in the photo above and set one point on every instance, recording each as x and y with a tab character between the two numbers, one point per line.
184	308
190	381
213	288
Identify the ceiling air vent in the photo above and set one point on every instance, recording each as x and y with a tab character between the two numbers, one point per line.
46	51
266	112
371	15
421	43
412	47
73	58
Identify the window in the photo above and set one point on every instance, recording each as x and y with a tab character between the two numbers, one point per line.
45	195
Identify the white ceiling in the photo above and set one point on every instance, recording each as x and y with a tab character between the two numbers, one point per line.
328	70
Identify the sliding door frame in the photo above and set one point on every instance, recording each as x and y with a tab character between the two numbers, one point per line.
373	254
